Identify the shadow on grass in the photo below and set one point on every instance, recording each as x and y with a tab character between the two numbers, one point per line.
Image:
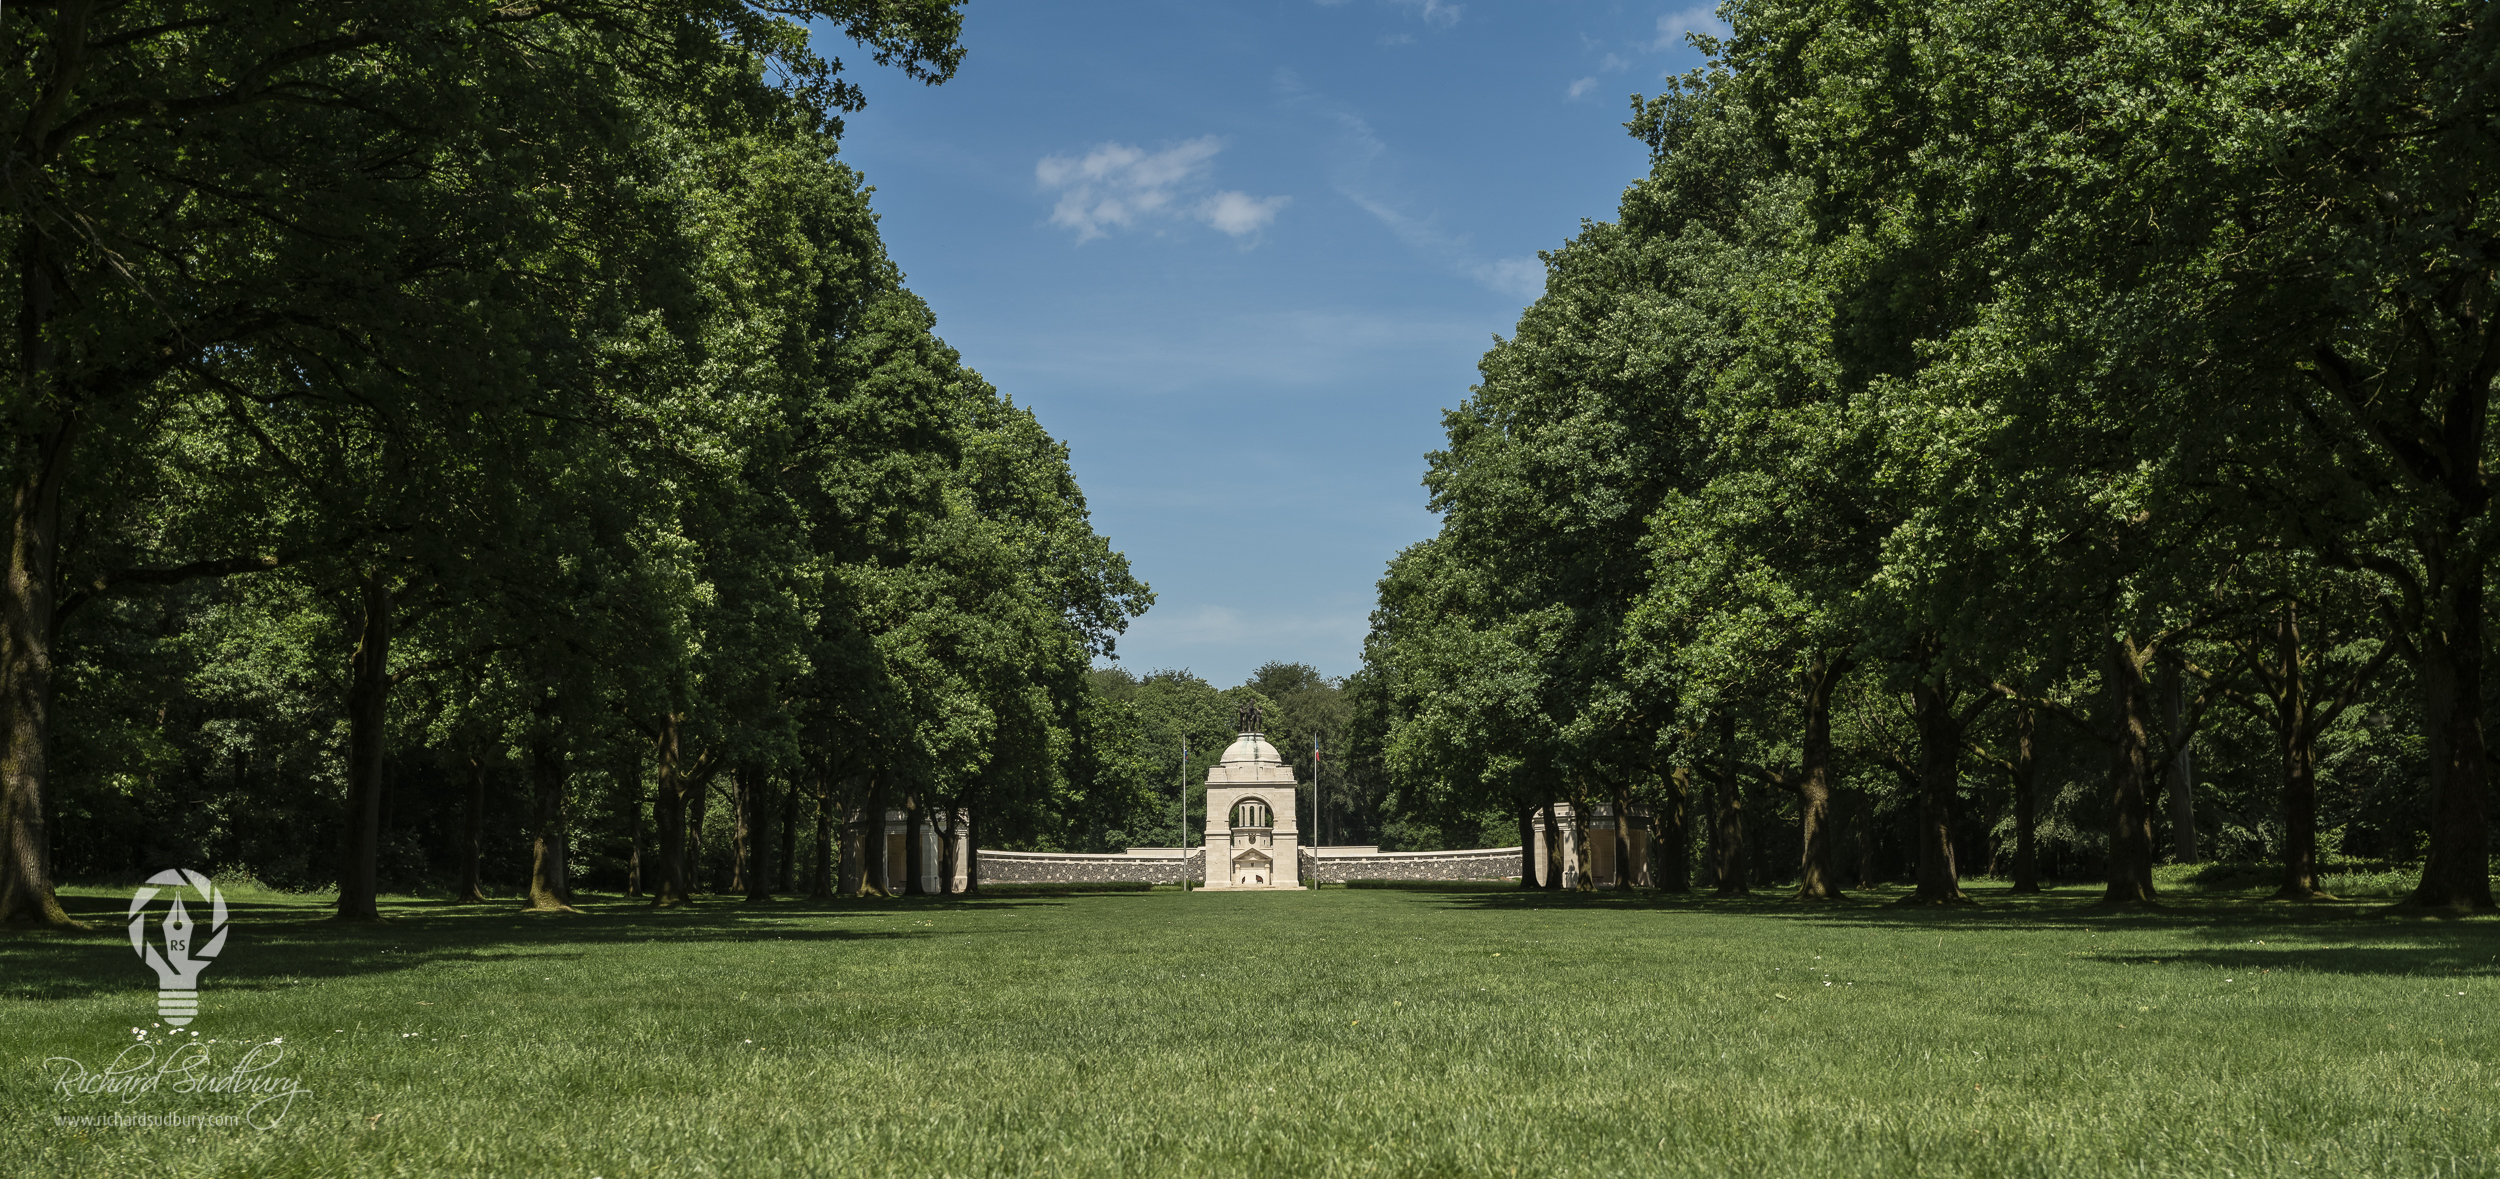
2234	933
280	944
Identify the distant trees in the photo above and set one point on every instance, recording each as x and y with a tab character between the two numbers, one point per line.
1934	388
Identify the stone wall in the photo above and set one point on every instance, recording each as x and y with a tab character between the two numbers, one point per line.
1006	867
1161	867
1484	863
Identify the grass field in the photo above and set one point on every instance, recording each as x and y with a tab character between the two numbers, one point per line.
1342	1032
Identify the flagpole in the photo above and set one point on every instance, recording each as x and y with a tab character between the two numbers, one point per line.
1182	801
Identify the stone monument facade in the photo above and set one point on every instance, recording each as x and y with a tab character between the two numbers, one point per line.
1253	841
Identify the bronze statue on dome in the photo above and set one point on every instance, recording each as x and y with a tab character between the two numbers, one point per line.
1249	718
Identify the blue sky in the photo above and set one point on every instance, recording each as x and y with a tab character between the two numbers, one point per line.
1241	255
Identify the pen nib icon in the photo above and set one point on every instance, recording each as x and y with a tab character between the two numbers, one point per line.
182	957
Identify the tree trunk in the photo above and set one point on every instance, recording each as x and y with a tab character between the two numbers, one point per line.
1729	842
1707	872
2131	812
2295	747
1528	877
2300	818
790	834
946	850
2456	876
915	851
740	828
876	877
42	459
1553	850
2026	807
473	834
634	822
1670	846
2180	772
822	887
1583	824
1623	841
853	868
756	808
368	703
668	805
1818	872
551	889
698	807
972	856
1939	781
1862	841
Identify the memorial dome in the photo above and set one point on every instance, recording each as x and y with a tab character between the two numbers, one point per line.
1251	748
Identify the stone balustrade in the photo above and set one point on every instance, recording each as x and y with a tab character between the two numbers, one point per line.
1166	865
1331	865
1143	865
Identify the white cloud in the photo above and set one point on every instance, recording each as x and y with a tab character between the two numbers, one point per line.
1523	277
1117	185
1696	19
1583	86
1238	213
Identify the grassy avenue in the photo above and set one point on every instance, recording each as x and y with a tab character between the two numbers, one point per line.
1450	1031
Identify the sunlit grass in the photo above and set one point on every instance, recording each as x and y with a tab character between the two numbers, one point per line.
1346	1031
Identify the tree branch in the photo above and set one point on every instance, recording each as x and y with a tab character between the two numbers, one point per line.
106	584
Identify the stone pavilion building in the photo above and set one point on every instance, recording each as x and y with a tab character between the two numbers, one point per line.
1253	841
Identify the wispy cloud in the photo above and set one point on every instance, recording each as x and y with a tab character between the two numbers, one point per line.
1519	277
1432	12
1523	277
1362	171
1435	12
1118	185
1611	63
1699	18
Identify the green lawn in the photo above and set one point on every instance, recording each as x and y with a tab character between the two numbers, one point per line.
1384	1032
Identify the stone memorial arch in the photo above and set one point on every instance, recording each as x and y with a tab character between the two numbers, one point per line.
1252	839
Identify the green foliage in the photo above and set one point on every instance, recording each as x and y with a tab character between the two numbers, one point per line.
439	397
1956	369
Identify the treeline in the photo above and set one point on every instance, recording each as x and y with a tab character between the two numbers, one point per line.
457	442
1979	400
1174	725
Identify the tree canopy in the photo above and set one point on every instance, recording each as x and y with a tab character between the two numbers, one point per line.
1970	392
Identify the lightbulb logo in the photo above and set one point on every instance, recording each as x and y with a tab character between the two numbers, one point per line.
183	953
